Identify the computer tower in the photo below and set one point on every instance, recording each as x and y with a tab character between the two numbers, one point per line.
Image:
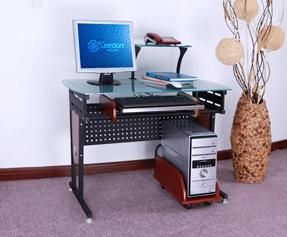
193	150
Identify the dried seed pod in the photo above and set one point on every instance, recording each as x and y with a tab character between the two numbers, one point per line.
246	9
271	38
229	51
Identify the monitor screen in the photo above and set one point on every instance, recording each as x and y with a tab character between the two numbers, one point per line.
104	46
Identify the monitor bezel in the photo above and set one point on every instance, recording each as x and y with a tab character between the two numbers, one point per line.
102	70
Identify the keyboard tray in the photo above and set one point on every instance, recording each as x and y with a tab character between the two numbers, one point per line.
146	104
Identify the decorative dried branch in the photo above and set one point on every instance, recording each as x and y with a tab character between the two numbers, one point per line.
253	83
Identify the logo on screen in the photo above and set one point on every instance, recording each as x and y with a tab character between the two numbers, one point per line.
94	46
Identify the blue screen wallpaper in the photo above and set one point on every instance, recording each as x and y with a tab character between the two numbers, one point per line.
105	45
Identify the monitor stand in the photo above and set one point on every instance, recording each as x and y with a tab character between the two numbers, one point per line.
105	79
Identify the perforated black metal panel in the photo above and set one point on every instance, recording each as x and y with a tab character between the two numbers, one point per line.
213	100
126	129
99	129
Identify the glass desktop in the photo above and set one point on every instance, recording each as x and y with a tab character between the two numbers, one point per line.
132	87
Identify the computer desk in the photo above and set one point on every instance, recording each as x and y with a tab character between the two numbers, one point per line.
94	120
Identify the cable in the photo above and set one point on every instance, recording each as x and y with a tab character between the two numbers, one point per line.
156	150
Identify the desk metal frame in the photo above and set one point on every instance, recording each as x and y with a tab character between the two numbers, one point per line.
89	126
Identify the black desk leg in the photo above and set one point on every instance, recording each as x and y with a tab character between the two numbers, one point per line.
77	162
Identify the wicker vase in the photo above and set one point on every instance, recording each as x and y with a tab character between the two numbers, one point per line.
250	141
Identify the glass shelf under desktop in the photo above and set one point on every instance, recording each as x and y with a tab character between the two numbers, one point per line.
141	45
136	87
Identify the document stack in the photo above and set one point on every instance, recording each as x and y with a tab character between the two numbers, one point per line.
166	79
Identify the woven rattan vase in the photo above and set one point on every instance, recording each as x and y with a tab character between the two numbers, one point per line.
250	141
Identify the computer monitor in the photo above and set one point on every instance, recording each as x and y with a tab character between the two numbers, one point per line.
104	47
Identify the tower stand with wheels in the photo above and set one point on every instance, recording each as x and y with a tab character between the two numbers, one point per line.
171	179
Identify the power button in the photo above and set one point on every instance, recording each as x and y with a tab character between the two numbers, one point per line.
203	173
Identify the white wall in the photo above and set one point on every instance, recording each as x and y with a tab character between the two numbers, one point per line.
37	53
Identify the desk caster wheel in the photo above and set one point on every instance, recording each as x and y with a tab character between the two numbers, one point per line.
208	203
89	220
70	190
187	206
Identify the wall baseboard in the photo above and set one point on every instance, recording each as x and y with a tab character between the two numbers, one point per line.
279	145
63	171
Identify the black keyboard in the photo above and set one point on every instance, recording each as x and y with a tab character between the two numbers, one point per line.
156	103
153	101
